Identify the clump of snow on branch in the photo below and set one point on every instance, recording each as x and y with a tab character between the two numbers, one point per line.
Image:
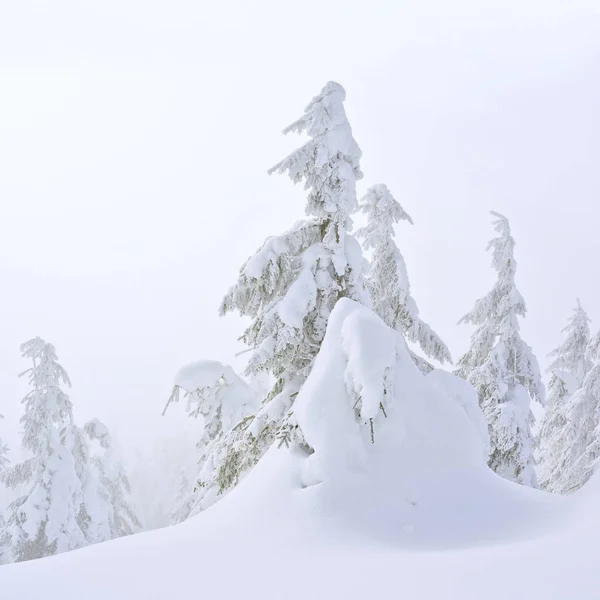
222	399
328	164
502	367
214	392
388	277
370	358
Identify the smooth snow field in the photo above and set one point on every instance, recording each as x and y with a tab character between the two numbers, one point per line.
413	513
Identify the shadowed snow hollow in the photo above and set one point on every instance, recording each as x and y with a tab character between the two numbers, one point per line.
393	462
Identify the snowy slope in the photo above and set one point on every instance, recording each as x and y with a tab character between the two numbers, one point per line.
416	515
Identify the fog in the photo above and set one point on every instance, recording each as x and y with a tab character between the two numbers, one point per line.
135	139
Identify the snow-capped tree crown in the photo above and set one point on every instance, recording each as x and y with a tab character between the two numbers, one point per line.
572	358
98	431
329	163
496	316
388	277
504	302
383	211
46	404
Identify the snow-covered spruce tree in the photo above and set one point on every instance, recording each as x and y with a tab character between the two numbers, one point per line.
122	516
106	510
43	519
94	512
502	367
576	445
214	392
4	463
388	278
4	460
568	369
290	286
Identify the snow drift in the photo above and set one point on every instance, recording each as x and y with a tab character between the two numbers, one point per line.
387	495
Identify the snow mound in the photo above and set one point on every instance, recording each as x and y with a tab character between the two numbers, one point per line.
364	373
400	456
389	471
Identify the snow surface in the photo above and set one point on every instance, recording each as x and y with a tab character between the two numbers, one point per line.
415	515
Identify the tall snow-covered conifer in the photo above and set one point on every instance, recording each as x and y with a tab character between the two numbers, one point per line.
43	520
4	460
388	277
576	444
106	510
70	494
290	286
122	517
94	507
571	363
502	367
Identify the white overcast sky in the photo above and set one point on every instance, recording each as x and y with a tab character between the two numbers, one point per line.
135	137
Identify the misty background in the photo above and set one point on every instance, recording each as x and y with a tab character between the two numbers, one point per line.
135	139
